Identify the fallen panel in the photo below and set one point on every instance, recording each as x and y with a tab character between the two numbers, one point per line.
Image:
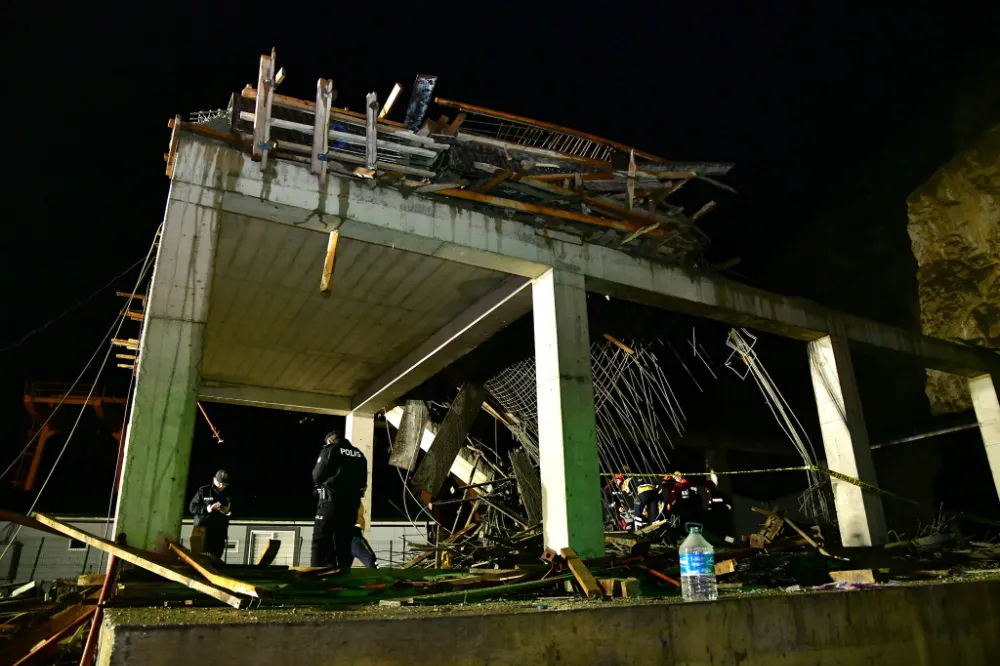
450	438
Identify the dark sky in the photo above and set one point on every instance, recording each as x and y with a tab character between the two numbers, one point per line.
823	105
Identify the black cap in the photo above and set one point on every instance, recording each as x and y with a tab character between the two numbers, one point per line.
332	436
222	476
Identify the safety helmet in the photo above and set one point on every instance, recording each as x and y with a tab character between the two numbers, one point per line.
222	478
332	437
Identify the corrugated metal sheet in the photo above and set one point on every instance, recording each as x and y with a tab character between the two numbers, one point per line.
269	325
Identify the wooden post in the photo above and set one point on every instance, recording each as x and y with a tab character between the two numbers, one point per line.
371	134
262	110
321	126
331	255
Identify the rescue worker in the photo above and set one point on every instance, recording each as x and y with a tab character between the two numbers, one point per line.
647	502
211	507
360	548
340	476
618	504
687	499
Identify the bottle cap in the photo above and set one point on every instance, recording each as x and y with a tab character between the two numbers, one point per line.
694	528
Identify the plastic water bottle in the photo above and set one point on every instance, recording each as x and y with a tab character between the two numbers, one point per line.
697	566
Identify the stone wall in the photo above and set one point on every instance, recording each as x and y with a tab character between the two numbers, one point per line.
954	227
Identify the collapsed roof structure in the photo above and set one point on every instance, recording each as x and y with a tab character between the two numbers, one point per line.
546	175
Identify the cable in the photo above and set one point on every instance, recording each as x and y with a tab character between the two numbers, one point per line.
85	367
116	327
71	309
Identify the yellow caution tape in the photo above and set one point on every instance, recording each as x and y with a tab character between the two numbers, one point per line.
864	485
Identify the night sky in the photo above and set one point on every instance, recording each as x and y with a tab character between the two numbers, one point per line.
832	112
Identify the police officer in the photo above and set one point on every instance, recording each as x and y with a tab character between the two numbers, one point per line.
340	476
211	507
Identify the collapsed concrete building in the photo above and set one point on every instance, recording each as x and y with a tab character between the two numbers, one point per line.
325	261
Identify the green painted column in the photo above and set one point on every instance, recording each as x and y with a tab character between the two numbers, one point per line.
151	501
567	431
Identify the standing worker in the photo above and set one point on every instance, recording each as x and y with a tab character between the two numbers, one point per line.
340	476
211	507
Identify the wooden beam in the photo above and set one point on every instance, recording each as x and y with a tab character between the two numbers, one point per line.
271	552
630	181
262	110
452	128
499	176
321	126
526	207
331	255
27	521
211	575
371	131
140	559
389	101
582	574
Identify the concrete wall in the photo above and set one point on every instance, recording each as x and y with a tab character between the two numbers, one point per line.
44	556
906	626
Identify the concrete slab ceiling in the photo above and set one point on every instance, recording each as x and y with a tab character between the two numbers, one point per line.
269	326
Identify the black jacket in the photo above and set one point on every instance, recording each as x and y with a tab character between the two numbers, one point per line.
342	470
206	497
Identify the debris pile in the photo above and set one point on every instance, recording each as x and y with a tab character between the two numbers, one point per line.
545	175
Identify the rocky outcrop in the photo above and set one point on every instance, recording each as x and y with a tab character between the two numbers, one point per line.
954	228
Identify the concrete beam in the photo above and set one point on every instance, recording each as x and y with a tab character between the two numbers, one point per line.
360	431
275	398
984	400
461	468
450	438
845	439
476	325
215	175
158	443
567	431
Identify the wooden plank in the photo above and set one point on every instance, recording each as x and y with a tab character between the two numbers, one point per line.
321	125
371	131
630	182
581	573
267	557
262	109
26	521
855	577
631	588
141	559
725	567
213	576
353	139
479	593
526	207
499	176
452	128
30	641
389	101
326	280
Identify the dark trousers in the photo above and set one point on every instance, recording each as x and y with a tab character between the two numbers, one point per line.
333	532
361	549
215	539
648	501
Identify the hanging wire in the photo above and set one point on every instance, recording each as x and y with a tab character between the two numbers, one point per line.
112	332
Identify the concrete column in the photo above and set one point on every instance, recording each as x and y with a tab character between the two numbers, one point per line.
845	439
152	499
567	432
360	431
984	400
